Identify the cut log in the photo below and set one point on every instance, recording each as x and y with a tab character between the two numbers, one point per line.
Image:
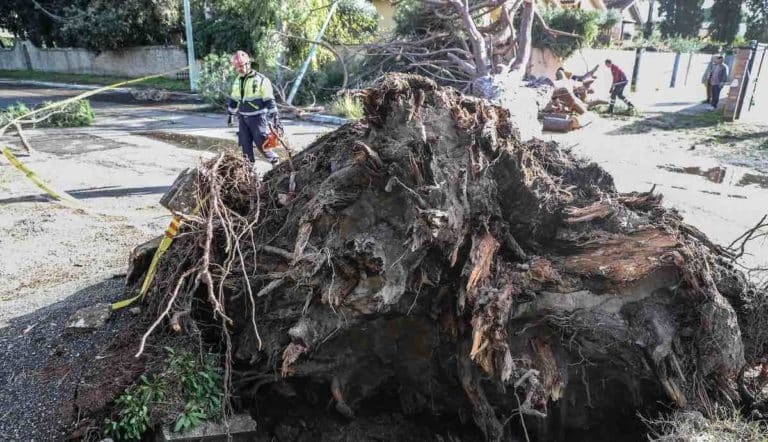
556	124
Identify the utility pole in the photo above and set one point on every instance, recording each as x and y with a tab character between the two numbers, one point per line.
311	54
190	47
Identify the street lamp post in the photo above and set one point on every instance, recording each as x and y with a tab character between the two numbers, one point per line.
190	47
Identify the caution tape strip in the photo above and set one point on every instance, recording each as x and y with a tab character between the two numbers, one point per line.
63	196
58	196
168	236
165	243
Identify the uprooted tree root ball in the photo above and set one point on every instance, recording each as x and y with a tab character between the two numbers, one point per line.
430	265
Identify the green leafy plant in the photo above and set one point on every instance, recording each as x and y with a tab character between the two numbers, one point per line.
12	112
133	419
75	114
348	107
191	386
201	383
684	45
606	22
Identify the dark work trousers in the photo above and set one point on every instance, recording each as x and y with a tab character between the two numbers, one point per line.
716	88
252	130
617	91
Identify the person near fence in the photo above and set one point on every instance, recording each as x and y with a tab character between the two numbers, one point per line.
253	102
705	78
618	84
717	79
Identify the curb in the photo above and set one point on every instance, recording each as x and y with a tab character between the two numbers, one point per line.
326	119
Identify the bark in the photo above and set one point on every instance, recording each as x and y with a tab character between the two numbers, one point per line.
520	63
436	271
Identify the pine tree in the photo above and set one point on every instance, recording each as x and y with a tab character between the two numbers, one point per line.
681	17
726	17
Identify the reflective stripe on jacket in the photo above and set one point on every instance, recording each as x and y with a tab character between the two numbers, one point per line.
251	95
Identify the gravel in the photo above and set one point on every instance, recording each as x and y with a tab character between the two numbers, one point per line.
43	363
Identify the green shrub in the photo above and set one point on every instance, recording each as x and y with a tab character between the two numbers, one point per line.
605	23
188	391
574	21
12	112
134	404
216	77
75	114
347	107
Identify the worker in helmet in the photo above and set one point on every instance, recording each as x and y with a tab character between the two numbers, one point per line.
253	101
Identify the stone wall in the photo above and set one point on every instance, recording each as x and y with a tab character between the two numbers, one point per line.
131	62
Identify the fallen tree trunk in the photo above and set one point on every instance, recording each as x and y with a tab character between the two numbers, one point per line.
431	265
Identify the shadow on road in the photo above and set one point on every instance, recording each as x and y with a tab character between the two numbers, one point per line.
92	192
693	117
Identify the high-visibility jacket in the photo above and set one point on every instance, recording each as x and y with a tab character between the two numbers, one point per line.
251	95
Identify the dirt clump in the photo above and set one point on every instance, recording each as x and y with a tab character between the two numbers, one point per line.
425	265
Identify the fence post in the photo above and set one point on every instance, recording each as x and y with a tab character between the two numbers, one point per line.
674	70
636	68
688	69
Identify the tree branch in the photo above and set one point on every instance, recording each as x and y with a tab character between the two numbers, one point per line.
330	49
520	62
476	40
554	32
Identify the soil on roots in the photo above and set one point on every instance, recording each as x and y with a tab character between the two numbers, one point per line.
426	269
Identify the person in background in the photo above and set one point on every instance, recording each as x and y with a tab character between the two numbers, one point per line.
717	79
617	86
253	101
705	78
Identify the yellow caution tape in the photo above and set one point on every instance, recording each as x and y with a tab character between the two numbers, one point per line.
165	243
63	196
59	196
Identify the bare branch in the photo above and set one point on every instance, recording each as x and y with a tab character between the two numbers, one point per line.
524	37
554	32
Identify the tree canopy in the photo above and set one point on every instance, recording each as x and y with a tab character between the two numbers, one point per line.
757	20
93	24
726	17
681	17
